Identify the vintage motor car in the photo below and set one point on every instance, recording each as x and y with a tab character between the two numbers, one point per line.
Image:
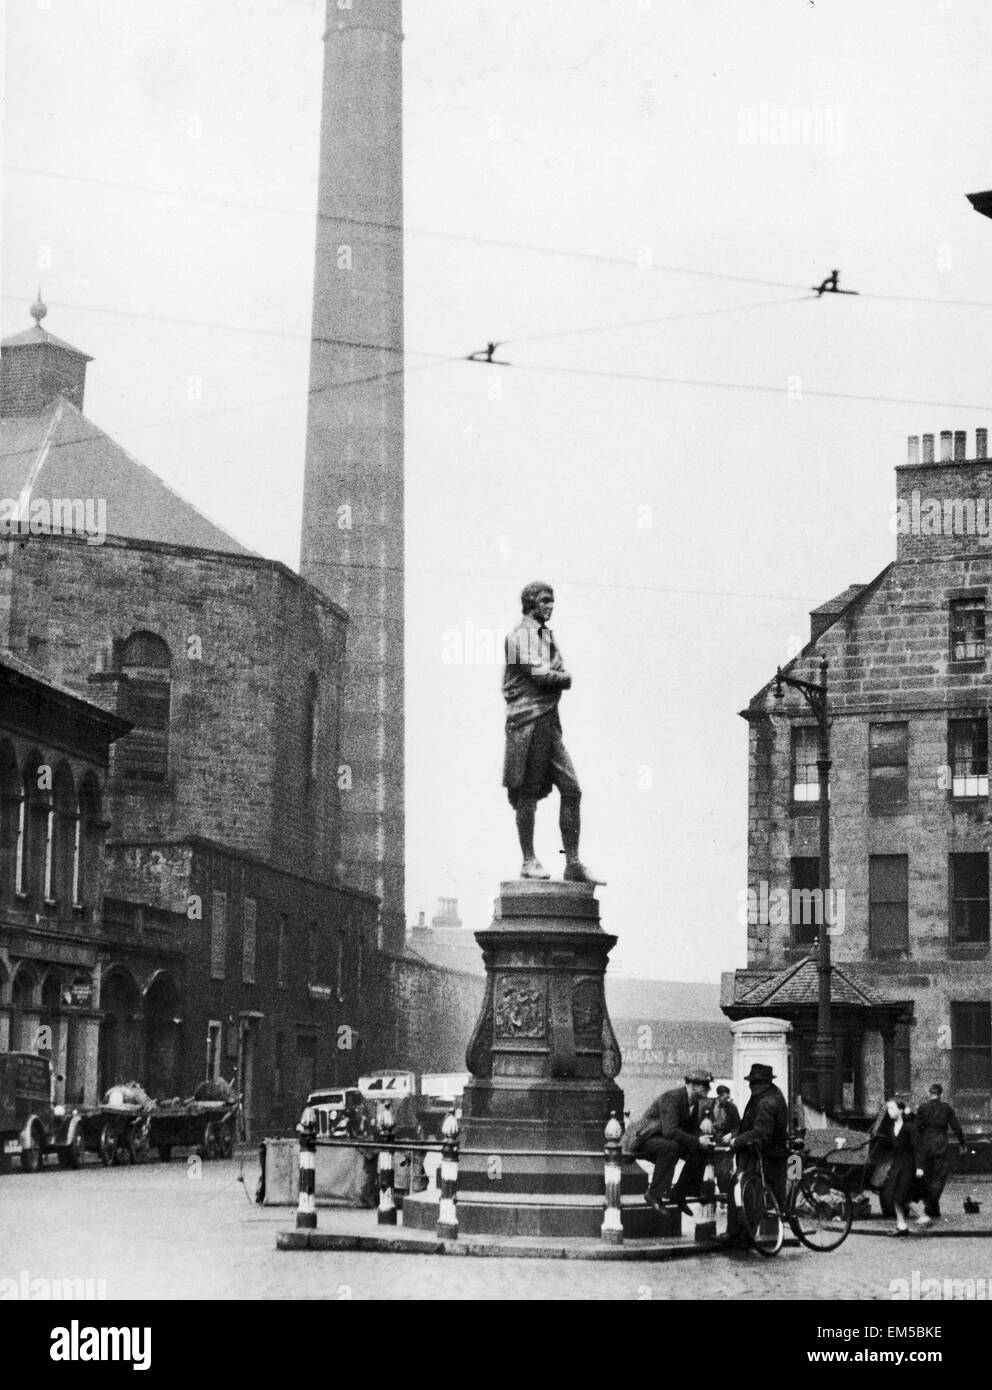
31	1126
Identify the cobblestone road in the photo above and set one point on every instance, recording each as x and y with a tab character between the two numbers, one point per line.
155	1232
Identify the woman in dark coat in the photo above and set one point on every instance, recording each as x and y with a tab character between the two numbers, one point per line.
897	1140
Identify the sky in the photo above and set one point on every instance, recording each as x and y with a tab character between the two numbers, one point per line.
693	460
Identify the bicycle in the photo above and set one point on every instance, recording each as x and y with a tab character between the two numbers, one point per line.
818	1206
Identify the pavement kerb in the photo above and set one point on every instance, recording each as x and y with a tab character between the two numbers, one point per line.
547	1249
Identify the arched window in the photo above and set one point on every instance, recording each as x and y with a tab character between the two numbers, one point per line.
34	822
145	699
62	838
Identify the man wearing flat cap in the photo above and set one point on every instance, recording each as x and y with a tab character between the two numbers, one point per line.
536	758
765	1129
669	1130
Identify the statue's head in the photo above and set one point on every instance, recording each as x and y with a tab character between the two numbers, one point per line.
534	595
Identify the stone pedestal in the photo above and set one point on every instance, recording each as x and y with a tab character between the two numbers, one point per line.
543	1059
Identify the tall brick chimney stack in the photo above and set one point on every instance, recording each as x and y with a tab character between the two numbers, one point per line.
352	541
943	505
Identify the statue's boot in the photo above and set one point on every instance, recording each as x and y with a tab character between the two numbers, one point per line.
533	868
576	872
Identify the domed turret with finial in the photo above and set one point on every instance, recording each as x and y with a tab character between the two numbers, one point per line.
39	309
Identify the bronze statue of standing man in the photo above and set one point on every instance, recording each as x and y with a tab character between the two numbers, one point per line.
536	758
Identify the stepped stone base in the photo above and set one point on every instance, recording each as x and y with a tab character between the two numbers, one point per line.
543	1059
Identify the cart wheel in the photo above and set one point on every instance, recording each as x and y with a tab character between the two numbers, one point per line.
123	1157
73	1154
164	1152
31	1156
108	1144
211	1141
226	1140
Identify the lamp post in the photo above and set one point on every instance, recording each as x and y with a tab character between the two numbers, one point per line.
824	1056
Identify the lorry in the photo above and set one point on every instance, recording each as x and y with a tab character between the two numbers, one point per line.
31	1125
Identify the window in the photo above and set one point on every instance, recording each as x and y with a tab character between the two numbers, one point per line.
312	962
306	1062
21	852
281	944
214	1033
888	766
971	1047
888	905
969	898
278	1069
901	1071
805	751
804	911
218	935
145	699
249	933
968	753
91	831
968	629
339	963
49	890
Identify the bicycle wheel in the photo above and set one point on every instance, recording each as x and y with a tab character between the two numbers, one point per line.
820	1212
761	1216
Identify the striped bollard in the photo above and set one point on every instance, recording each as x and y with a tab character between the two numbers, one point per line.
447	1212
387	1205
306	1211
612	1228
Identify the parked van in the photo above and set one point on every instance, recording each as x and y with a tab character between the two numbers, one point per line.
30	1125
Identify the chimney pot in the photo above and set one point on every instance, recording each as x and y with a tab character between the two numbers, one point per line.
928	448
946	441
960	445
913	449
981	443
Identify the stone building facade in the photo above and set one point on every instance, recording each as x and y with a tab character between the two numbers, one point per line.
235	940
56	947
222	800
910	816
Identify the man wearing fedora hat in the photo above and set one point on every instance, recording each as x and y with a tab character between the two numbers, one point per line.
765	1128
669	1130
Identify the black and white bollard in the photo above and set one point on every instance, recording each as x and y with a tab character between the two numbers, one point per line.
447	1212
612	1227
306	1211
387	1203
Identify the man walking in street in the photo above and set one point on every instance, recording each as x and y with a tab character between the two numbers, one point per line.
669	1130
934	1118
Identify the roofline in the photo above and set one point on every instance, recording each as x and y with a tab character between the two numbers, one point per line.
112	725
246	558
753	709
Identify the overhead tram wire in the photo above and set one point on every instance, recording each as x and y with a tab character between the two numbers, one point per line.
629	262
439	359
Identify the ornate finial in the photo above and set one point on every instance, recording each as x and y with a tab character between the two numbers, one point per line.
39	309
